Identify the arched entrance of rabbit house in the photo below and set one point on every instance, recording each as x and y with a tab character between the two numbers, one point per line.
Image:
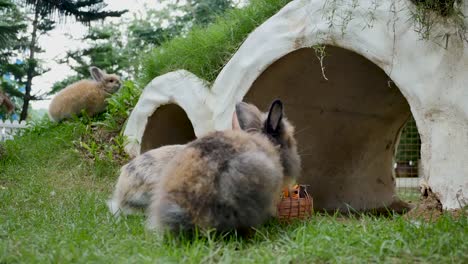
168	125
346	126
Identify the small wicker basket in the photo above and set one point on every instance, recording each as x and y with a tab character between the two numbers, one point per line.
298	205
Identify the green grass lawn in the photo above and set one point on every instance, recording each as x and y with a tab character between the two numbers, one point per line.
52	209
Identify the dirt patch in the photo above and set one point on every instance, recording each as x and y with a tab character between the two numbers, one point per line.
459	213
430	209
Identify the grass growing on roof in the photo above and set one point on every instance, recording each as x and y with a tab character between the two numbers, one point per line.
204	51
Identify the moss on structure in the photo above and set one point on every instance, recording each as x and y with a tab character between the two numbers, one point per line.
204	51
429	13
443	7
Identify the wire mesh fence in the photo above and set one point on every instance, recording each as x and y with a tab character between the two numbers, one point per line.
407	162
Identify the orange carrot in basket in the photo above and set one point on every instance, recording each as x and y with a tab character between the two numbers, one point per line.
295	193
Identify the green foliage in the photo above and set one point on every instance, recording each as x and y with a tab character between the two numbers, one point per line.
63	83
118	48
120	106
37	128
82	11
100	147
38	114
102	141
204	51
11	87
53	211
428	13
205	11
106	50
43	15
435	20
173	19
20	73
10	25
443	7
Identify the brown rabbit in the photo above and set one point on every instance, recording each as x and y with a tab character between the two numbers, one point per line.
4	100
88	95
228	180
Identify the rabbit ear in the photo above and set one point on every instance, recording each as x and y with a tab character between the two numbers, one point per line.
96	73
275	115
235	122
248	116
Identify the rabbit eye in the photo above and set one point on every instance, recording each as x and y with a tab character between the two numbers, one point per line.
111	81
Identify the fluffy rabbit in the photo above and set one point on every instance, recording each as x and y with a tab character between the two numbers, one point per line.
88	95
138	177
141	175
230	179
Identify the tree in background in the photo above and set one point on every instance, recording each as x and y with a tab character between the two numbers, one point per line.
84	11
12	83
157	26
42	15
104	48
203	12
11	24
118	48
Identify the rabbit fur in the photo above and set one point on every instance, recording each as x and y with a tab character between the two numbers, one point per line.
138	177
228	180
88	95
141	175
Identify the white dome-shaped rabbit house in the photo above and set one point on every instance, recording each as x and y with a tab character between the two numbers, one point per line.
350	74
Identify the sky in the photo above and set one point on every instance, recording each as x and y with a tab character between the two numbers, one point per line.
56	43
